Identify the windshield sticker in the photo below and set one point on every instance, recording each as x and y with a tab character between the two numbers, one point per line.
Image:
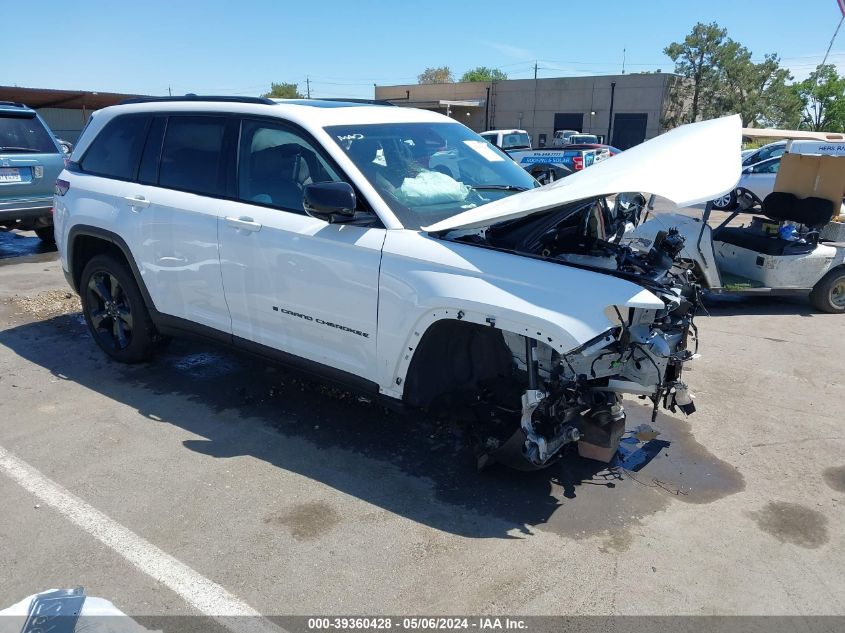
349	137
483	148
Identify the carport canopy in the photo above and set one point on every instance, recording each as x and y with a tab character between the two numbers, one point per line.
72	99
793	135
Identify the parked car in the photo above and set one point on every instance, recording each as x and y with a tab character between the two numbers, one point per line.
30	161
66	146
317	234
772	150
508	139
602	151
759	178
549	165
583	139
561	137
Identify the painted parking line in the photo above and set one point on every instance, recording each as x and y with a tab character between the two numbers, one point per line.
202	594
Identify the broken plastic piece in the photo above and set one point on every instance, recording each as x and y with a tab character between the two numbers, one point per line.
645	433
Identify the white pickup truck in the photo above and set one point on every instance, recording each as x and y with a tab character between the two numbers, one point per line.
546	165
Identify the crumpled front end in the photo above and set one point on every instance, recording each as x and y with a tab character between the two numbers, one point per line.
577	396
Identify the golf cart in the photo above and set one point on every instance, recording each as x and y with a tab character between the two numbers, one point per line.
779	249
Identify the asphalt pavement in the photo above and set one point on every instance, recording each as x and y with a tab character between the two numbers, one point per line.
207	482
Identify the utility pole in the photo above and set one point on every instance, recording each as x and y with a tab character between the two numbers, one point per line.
623	61
308	86
535	69
169	93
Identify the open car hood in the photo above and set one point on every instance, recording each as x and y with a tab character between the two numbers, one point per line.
691	164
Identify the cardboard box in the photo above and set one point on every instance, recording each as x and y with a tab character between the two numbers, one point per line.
808	175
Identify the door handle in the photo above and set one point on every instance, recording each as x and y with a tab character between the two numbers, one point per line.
138	202
243	223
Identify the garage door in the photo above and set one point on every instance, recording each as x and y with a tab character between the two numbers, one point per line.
629	129
569	121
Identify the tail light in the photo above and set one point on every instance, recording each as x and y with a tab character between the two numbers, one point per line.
62	186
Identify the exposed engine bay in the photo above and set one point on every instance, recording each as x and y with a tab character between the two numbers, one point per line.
576	396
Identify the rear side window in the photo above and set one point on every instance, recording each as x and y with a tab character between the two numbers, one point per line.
24	134
116	151
193	157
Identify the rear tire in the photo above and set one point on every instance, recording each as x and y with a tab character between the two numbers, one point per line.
115	311
829	294
46	234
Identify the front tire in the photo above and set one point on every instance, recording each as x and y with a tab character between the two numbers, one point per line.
115	311
726	202
829	294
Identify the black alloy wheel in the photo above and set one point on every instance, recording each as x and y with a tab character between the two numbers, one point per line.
110	314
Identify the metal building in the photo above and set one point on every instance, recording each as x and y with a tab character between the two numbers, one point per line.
624	109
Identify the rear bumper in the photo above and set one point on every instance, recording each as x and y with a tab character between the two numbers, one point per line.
25	209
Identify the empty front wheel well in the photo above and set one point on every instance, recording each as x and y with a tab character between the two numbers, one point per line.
453	361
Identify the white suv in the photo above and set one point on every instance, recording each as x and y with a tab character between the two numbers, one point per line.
316	233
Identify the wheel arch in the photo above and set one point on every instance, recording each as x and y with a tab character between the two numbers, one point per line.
416	355
84	242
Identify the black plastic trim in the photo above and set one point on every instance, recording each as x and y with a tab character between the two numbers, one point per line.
176	326
201	98
306	366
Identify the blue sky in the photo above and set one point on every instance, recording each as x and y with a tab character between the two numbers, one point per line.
227	47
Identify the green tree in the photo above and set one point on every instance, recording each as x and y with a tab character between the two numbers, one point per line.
482	73
695	60
757	92
441	75
822	96
283	91
718	77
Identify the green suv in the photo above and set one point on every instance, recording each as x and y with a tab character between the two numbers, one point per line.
30	162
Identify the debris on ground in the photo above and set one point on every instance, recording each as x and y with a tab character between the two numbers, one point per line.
645	433
46	304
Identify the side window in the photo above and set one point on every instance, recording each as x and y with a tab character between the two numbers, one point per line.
116	151
275	163
767	168
193	156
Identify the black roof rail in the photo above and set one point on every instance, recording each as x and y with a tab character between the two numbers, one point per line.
190	97
355	100
13	103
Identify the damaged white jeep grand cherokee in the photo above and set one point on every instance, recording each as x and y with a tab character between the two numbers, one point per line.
395	251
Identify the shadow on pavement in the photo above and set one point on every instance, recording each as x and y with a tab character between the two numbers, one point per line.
406	463
14	244
724	305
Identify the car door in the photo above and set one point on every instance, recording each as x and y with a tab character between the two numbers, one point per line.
761	179
292	282
186	171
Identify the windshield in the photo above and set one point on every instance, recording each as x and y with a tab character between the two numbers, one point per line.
427	172
516	140
24	134
583	138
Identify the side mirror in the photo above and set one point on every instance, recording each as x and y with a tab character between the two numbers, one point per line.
329	201
747	170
